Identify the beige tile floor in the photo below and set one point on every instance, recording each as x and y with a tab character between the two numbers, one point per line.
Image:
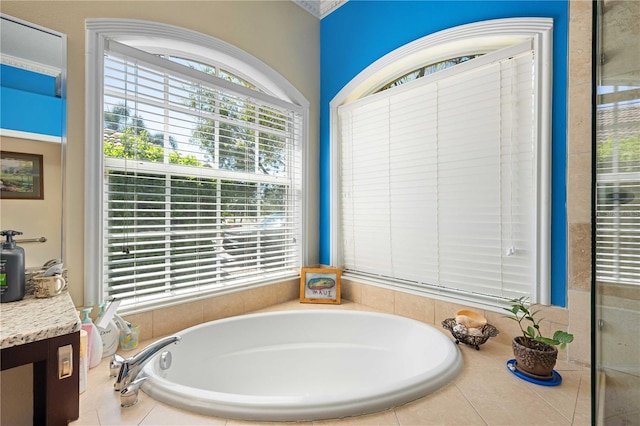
485	393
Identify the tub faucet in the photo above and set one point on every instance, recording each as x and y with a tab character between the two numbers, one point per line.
130	367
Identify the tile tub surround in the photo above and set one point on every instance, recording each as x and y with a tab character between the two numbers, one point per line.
433	311
485	393
161	322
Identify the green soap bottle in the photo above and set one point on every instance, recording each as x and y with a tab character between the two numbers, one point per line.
11	269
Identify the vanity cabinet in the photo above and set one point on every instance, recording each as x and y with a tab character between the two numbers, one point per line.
45	333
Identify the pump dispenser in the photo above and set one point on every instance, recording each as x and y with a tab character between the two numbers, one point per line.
94	347
11	269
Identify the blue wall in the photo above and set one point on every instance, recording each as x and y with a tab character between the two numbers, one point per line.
358	33
28	102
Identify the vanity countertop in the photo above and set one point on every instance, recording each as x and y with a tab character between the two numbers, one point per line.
32	319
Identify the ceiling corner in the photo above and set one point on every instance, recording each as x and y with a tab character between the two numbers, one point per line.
319	8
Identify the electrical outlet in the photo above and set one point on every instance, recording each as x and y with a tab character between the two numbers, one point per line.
65	361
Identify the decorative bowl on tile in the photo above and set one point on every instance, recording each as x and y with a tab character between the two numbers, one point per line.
470	319
472	338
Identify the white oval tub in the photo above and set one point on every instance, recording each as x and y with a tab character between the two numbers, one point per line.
303	365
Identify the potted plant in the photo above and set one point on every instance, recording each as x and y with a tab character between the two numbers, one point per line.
535	354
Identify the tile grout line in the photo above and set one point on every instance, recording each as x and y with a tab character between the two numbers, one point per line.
575	405
455	383
575	402
395	414
147	415
537	395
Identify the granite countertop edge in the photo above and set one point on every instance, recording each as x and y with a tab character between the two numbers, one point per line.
32	319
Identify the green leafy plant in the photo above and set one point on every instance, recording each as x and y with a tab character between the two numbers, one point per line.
530	325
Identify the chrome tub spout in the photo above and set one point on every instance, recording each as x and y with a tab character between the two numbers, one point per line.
131	367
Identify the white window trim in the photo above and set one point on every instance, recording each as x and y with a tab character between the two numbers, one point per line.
152	36
476	37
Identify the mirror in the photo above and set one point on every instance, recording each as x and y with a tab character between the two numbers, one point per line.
32	134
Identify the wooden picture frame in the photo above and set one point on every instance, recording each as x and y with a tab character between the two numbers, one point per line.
320	285
21	176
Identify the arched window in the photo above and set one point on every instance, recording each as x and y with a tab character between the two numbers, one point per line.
194	148
427	70
443	181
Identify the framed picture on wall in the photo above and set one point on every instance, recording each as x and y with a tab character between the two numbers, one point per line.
21	176
320	285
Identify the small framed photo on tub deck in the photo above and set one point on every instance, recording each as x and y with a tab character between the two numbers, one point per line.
320	285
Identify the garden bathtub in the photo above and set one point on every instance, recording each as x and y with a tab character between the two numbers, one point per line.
303	365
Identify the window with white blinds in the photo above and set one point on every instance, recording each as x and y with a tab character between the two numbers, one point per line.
618	185
440	181
202	178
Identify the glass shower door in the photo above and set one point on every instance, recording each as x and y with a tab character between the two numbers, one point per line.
617	213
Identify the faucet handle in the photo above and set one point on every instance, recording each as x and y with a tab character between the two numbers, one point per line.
115	364
129	395
130	367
